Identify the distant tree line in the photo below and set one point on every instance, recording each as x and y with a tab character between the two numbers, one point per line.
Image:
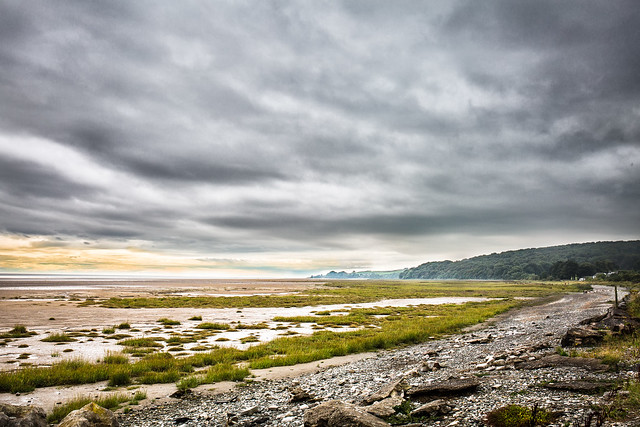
392	274
554	263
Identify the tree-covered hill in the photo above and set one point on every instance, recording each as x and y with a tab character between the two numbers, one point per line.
554	262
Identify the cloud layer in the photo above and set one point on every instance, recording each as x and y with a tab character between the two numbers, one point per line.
298	137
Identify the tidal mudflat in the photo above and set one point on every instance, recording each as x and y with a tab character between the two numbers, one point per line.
185	332
90	331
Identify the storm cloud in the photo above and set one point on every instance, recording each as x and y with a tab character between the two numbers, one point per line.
346	134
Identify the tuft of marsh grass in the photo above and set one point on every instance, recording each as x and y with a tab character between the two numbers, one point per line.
140	342
178	339
160	377
118	336
168	322
120	377
519	416
216	373
213	326
261	325
59	337
196	318
18	331
124	325
112	358
249	339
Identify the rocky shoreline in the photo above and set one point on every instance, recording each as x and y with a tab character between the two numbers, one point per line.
510	361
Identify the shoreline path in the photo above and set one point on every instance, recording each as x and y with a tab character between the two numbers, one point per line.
529	331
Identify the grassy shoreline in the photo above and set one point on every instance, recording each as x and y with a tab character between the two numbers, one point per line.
378	328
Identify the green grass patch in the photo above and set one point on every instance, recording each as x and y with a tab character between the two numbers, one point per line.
140	342
195	318
59	337
178	339
214	326
216	373
112	358
254	326
118	336
18	331
168	322
520	416
160	377
124	325
120	377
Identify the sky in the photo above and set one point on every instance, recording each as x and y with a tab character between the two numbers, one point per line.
289	138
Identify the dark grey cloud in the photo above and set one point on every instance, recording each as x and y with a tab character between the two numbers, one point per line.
31	181
267	127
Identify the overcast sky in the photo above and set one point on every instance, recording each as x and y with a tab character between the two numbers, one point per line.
278	138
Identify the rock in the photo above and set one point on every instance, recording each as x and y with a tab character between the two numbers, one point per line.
335	413
384	408
180	393
583	336
450	387
90	415
261	420
435	407
581	386
430	365
250	411
554	360
394	388
22	416
300	395
483	340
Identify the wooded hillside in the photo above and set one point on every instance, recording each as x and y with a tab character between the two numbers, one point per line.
554	262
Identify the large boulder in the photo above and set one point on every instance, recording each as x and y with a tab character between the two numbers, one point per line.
90	415
335	413
22	416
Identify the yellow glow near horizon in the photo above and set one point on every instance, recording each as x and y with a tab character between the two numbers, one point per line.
40	255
